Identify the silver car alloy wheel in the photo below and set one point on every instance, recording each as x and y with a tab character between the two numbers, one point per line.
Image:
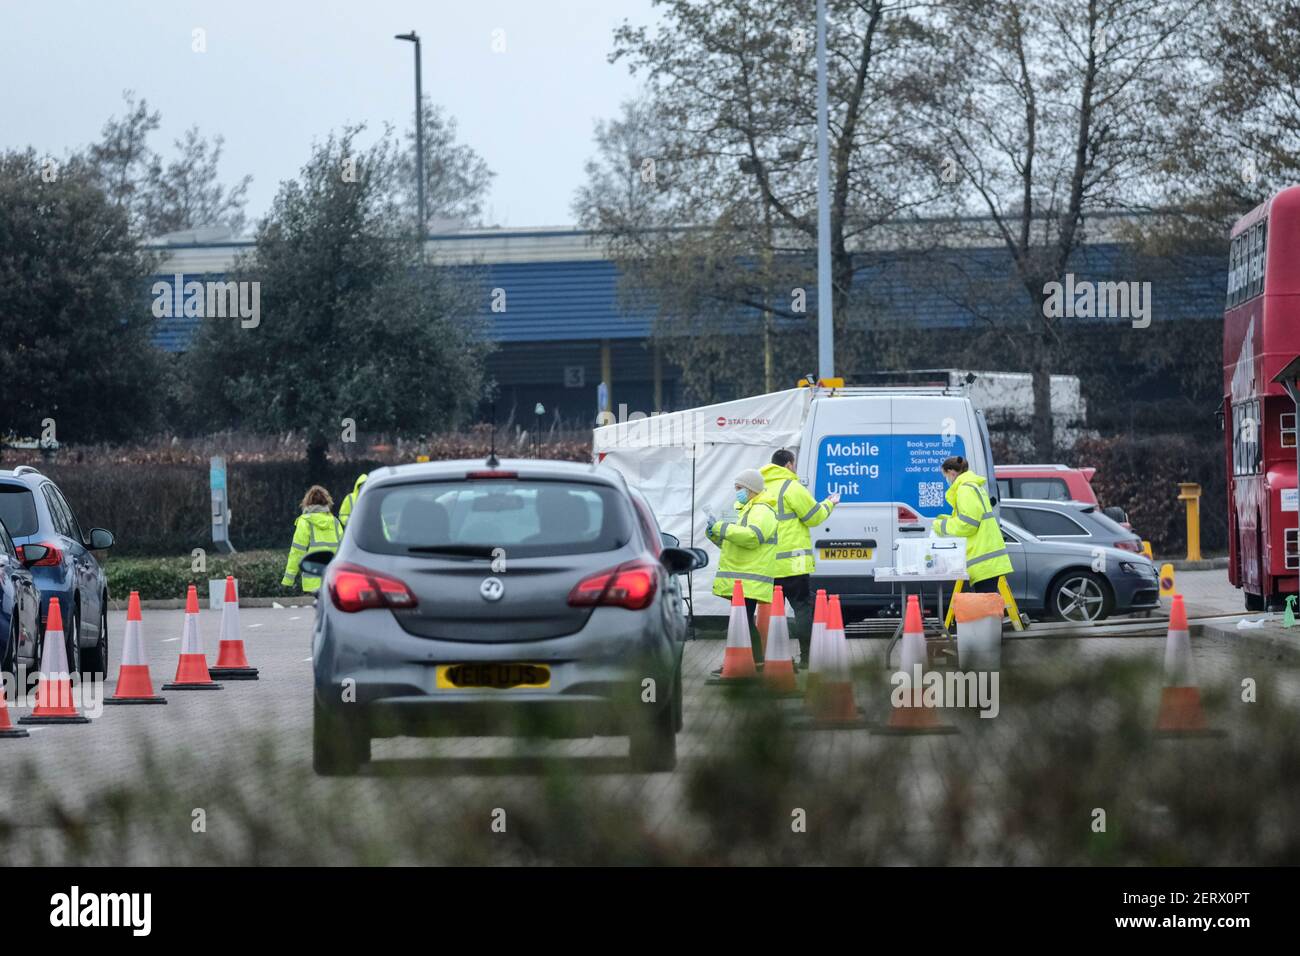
1080	599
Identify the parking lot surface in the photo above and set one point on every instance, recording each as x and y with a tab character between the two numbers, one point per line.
196	734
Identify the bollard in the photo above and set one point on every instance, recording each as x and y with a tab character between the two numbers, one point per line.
1190	492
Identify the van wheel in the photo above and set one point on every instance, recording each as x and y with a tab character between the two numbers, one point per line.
338	746
653	746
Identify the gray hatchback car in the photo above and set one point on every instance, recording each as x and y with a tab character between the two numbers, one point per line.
518	597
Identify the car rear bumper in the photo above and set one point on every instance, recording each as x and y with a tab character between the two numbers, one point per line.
614	672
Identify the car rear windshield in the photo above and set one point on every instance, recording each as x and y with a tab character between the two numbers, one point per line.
525	518
18	510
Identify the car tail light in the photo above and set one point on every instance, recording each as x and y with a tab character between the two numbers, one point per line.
1133	546
354	588
491	474
53	555
907	516
629	585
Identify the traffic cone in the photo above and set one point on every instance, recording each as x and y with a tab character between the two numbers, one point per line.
913	718
1166	580
830	698
54	703
192	668
232	664
816	642
134	685
7	729
1180	699
778	662
738	658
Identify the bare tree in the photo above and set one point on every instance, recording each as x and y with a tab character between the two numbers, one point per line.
706	188
1049	112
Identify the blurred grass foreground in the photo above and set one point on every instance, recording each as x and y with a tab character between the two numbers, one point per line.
1069	773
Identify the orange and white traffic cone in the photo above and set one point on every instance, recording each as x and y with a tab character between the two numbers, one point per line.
7	728
829	691
232	663
738	658
778	661
816	645
192	668
134	685
1180	699
54	703
911	716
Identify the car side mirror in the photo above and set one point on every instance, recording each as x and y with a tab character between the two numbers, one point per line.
669	540
29	554
701	556
313	565
681	560
100	540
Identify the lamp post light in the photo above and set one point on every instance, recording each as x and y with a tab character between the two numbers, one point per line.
538	410
413	37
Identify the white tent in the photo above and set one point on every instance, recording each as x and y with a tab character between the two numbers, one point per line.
685	462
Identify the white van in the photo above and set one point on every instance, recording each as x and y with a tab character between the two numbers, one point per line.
881	449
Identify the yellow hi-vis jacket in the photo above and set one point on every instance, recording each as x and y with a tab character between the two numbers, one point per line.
748	544
972	518
314	530
345	509
796	511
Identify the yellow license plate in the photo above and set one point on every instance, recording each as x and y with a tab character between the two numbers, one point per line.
844	554
495	676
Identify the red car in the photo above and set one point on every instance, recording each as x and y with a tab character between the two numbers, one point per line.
1053	483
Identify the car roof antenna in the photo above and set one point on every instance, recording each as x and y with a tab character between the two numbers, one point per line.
492	451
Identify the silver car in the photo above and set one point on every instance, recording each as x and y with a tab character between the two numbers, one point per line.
1077	582
513	597
1076	522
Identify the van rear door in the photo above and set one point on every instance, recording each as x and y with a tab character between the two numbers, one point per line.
846	449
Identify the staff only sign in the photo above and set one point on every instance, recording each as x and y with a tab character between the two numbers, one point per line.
905	469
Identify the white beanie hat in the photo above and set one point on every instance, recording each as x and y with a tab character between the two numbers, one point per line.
752	479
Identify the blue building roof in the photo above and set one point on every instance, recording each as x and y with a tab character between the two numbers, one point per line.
580	299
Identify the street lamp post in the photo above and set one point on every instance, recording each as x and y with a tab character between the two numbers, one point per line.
825	322
413	37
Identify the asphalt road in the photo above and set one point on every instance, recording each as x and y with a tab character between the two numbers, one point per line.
216	743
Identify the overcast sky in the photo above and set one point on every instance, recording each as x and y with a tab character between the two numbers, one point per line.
279	73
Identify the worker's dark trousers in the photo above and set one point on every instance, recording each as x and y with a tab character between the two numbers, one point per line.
987	586
799	594
755	641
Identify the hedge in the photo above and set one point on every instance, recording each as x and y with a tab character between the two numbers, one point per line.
161	578
163	507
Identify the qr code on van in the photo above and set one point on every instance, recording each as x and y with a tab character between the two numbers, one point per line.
930	494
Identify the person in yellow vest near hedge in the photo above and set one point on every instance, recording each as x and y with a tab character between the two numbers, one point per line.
796	511
316	529
972	518
345	509
748	543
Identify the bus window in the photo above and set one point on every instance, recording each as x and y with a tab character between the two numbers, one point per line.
1288	430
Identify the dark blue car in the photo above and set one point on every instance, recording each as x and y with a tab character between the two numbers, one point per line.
36	513
20	610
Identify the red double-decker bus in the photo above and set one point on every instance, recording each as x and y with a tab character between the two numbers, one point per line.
1261	335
